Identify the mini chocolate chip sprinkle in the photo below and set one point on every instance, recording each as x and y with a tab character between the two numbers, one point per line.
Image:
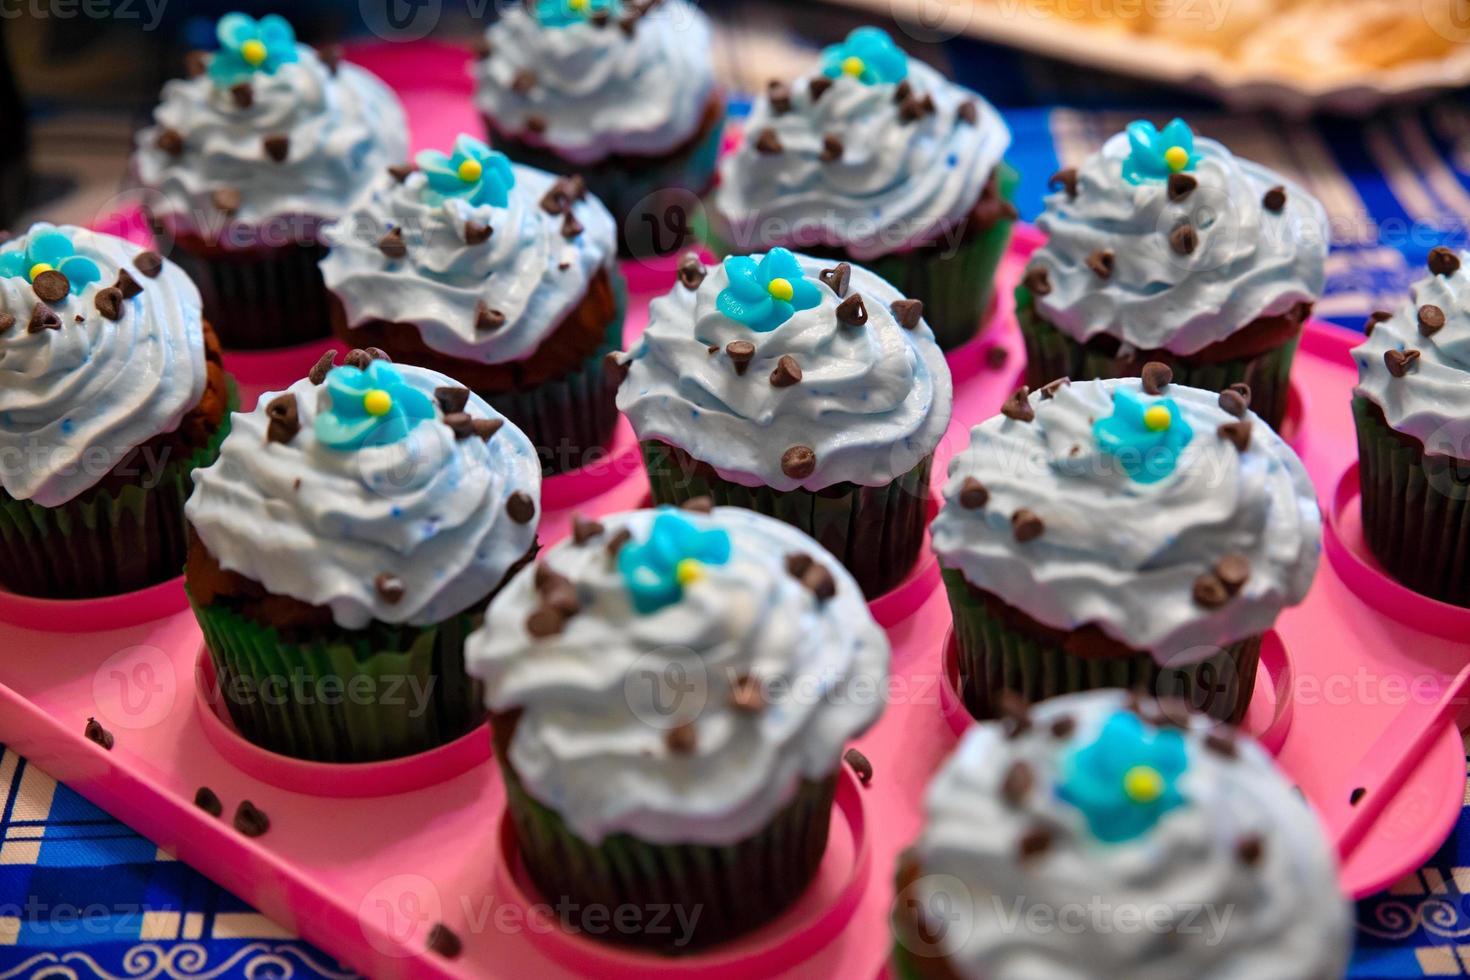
277	147
1222	745
818	87
481	48
170	141
748	694
1034	843
43	318
1181	186
1101	263
523	82
285	419
7	320
1274	199
1242	389
1050	389
1018	406
127	285
780	95
703	504
1356	796
1233	571
768	143
536	123
910	110
837	279
902	92
853	311
196	63
1431	319
1156	377
908	312
401	171
1026	525
628	25
1400	362
389	587
819	581
520	507
52	286
614	369
1238	433
1374	319
1443	261
584	530
109	302
392	244
692	272
682	739
96	733
460	424
713	349
358	358
1064	179
243	95
1019	780
1210	592
570	226
477	234
487	319
1184	240
226	199
973	494
452	398
799	462
616	542
787	372
1250	851
377	354
996	357
968	113
1063	727
323	364
1037	280
250	820
148	263
331	56
1233	403
832	148
207	800
485	429
797	564
740	353
545	621
443	941
860	765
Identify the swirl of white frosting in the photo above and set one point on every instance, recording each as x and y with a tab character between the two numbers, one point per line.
342	128
598	699
1432	401
1176	902
321	525
1249	262
873	401
528	270
75	401
1124	555
896	185
600	90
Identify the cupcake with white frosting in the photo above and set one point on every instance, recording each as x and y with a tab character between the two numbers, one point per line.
621	92
876	158
1164	247
1123	533
671	694
111	395
1412	406
502	277
811	392
245	159
343	547
1120	840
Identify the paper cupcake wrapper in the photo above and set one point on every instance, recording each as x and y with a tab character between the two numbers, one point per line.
1416	509
732	889
995	658
1052	354
346	695
104	542
261	299
876	532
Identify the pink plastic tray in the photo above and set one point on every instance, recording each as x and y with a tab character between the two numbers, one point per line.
1361	695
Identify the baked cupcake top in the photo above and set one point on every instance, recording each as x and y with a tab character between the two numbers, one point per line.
1168	242
594	78
1173	519
101	350
679	674
873	153
785	371
486	259
1096	816
266	129
1415	364
384	492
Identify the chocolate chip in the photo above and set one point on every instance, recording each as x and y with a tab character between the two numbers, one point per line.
452	399
1250	851
285	420
43	318
545	621
787	372
614	370
799	462
96	733
523	82
1181	186
331	56
196	63
243	95
1222	744
1232	402
277	147
1400	362
1184	240
853	311
902	92
127	285
250	820
837	278
1156	377
570	226
109	302
1034	843
444	942
584	530
392	244
832	148
148	263
1018	406
206	800
860	765
485	429
1101	263
1431	319
1037	280
1063	727
1356	796
323	364
225	199
520	507
818	87
748	695
1066	178
487	319
52	286
536	123
740	353
170	141
682	739
1233	571
460	424
389	587
968	113
973	494
819	581
1238	433
692	272
476	233
401	171
1374	319
616	542
1274	199
1210	592
628	25
1443	261
908	312
7	320
703	504
1242	389
1019	780
1026	525
780	95
768	143
1050	389
481	48
797	564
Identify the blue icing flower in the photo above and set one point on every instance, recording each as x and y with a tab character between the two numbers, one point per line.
473	173
673	556
1146	436
763	296
370	406
1127	779
247	45
1155	155
45	251
869	55
564	13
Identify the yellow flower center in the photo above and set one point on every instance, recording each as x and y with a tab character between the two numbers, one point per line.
781	289
39	268
853	66
253	52
1143	784
1157	418
377	402
578	5
689	571
1177	157
470	171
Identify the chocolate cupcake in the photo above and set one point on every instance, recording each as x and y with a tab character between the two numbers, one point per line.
1096	837
502	277
809	392
1412	406
1161	247
621	92
342	549
111	395
1123	534
876	159
650	683
245	160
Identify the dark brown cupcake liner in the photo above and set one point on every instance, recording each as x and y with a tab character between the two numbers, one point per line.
260	298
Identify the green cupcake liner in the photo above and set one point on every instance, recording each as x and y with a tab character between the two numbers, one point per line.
1051	354
1416	509
725	890
346	695
876	532
263	298
104	542
995	658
